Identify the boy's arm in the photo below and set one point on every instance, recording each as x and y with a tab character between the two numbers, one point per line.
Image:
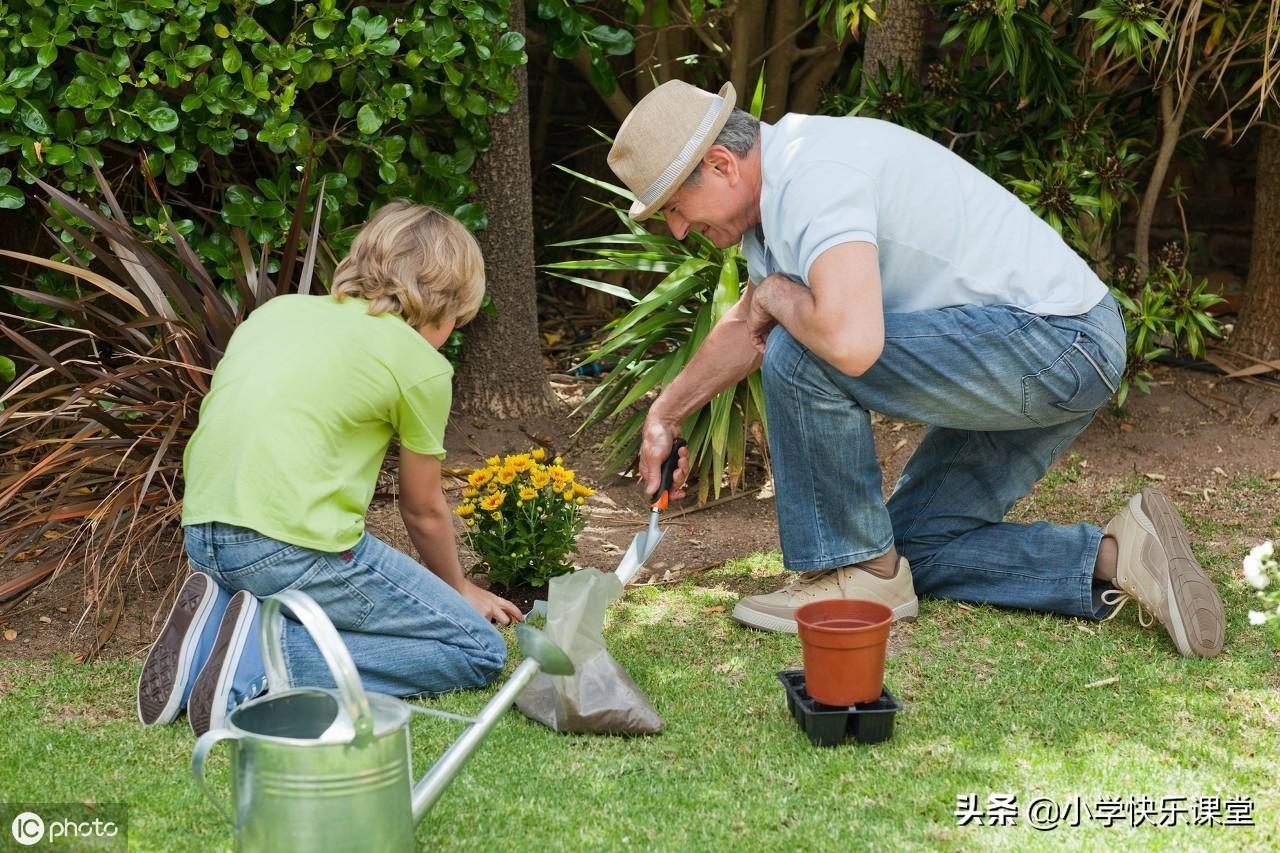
426	516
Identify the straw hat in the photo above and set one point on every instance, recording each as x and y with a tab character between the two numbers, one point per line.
664	138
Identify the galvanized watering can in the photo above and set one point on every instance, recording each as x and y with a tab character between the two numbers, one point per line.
321	769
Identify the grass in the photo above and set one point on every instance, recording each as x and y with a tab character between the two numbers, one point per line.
997	704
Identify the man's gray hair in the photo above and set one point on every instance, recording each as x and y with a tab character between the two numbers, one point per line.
739	134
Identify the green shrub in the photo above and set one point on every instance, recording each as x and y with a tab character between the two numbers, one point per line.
228	101
653	340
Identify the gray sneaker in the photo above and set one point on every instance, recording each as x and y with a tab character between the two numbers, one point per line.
776	611
1155	568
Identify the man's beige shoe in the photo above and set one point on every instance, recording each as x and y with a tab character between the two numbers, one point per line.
776	611
1155	567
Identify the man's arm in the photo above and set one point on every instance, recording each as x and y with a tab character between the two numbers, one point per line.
725	357
427	518
839	316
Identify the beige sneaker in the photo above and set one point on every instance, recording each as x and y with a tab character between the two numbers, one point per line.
775	611
1155	567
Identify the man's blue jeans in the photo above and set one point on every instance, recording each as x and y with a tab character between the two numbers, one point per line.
407	630
1003	392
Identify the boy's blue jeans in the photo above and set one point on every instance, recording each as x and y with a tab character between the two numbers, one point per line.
407	630
1003	392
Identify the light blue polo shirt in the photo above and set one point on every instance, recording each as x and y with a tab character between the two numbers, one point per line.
946	234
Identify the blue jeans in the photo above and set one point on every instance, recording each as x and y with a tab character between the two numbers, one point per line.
1003	392
408	631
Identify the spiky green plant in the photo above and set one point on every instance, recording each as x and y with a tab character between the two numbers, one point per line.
654	340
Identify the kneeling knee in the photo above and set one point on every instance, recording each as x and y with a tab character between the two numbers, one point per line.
490	656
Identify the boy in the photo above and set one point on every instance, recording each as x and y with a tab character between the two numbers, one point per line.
283	465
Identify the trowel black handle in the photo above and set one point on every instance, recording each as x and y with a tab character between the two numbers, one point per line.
659	498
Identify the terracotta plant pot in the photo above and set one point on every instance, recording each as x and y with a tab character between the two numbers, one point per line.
844	642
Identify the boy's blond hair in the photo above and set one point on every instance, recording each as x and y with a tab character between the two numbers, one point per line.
415	261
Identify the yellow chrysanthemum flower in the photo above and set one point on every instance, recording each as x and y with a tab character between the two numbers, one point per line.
492	461
471	522
538	453
540	478
568	495
493	501
559	460
496	516
465	510
506	476
568	476
582	491
522	463
480	477
557	473
558	488
471	494
528	494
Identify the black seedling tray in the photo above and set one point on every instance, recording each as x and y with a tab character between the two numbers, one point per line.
830	725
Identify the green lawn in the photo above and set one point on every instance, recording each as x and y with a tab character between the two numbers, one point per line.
997	705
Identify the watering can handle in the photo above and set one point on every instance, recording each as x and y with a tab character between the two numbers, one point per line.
207	742
334	651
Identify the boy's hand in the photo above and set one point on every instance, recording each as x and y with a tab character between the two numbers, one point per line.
493	607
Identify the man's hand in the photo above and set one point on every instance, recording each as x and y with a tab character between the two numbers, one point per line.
492	607
657	437
760	322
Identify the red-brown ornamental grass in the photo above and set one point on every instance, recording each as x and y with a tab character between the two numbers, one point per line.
93	427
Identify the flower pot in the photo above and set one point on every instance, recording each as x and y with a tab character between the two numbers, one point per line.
844	642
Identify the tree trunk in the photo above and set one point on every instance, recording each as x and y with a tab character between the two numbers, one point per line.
501	373
748	36
810	78
898	37
646	54
1258	331
787	17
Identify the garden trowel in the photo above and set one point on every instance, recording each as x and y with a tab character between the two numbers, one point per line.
646	541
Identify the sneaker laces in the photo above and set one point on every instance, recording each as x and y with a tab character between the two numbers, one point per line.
801	583
1120	598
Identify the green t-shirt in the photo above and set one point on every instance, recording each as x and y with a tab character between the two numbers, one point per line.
299	415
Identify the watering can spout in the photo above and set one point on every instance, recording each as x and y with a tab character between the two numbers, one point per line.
540	653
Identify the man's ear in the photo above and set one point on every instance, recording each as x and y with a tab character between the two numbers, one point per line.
723	161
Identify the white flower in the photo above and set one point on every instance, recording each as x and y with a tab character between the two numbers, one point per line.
1254	572
1257	618
1264	551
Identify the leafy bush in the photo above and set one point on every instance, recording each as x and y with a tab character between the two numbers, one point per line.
653	341
1167	310
523	518
228	101
94	427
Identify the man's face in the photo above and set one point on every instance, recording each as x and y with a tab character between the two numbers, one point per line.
719	207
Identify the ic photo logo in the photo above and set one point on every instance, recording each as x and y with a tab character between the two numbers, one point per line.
28	828
67	825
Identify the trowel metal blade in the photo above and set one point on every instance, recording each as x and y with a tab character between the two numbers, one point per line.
641	548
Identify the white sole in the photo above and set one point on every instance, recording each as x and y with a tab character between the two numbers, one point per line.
907	611
222	693
186	654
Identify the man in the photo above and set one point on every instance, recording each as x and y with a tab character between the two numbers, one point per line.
889	275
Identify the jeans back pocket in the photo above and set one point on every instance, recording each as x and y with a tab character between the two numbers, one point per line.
1078	382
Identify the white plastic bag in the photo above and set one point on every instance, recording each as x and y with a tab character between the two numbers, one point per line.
599	697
